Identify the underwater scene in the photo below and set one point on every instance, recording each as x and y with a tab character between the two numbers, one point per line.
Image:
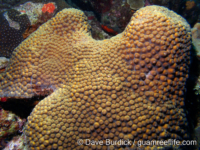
99	74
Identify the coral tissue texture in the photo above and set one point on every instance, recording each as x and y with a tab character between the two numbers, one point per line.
128	87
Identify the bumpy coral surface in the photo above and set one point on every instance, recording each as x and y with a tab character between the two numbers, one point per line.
128	87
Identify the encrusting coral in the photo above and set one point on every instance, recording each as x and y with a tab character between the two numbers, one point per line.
128	87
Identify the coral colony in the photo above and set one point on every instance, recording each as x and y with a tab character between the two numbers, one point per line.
128	87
